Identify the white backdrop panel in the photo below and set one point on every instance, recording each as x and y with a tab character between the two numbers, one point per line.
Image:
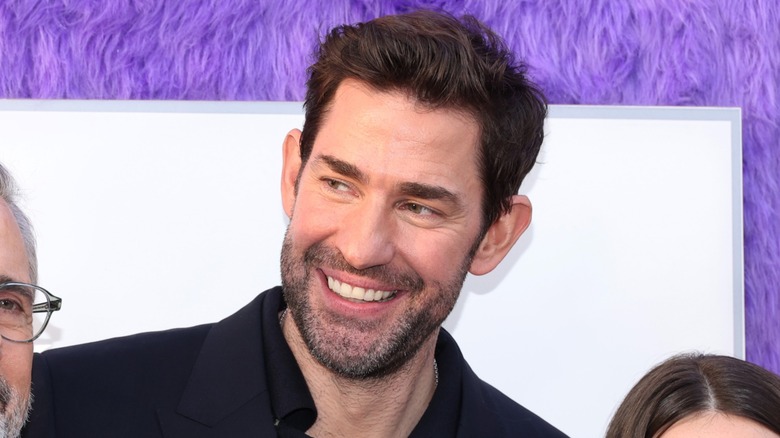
152	215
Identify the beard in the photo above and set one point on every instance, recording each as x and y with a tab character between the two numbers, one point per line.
360	349
14	409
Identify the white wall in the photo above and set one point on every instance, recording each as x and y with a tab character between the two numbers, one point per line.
153	215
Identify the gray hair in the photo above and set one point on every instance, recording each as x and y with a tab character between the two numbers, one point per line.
9	193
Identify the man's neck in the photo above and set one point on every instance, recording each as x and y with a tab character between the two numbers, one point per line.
386	407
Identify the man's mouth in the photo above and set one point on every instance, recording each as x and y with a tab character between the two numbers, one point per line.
359	293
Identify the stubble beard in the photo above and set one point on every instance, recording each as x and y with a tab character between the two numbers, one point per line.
357	349
14	410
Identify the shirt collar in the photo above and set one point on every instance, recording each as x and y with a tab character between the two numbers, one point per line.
291	401
442	415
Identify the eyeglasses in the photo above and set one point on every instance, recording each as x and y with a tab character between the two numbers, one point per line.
25	310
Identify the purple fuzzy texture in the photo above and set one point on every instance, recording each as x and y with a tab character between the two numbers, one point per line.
644	52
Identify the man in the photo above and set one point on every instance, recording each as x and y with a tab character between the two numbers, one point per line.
18	269
419	130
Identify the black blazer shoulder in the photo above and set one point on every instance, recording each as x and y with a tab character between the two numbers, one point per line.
486	411
180	382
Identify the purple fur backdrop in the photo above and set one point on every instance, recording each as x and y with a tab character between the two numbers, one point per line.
644	52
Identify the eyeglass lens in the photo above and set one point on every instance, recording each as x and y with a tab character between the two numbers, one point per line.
18	322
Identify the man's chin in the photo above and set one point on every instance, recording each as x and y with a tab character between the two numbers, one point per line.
15	412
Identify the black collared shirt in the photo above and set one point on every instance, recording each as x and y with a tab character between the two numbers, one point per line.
294	408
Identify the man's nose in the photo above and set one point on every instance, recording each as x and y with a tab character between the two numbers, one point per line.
366	236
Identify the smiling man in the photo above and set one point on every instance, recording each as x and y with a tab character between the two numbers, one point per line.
386	220
19	327
419	130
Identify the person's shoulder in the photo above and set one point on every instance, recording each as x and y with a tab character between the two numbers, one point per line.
178	343
174	342
132	380
93	385
486	411
144	364
505	415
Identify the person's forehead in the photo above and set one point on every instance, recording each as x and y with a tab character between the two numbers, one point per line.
13	260
361	111
351	87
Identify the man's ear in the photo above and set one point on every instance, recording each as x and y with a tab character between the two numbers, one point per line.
291	165
501	236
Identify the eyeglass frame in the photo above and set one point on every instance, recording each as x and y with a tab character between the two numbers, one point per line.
53	303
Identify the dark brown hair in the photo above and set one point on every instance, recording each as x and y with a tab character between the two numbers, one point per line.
693	383
442	62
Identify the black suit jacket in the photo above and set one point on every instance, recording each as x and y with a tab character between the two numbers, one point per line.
204	381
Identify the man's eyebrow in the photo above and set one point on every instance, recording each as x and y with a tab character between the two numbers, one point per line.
341	167
413	189
27	292
427	191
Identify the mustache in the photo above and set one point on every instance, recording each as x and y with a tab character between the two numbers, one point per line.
320	254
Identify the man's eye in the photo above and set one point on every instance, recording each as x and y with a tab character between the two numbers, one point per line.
9	305
337	185
419	209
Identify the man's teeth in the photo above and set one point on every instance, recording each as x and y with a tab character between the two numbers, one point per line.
358	293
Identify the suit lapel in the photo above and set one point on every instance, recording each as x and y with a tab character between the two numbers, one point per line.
226	394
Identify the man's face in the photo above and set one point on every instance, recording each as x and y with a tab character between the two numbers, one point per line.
383	225
15	358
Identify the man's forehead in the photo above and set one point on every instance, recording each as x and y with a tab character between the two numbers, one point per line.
8	226
356	105
466	114
13	259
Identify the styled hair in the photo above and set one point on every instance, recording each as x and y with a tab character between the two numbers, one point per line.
9	193
441	62
695	383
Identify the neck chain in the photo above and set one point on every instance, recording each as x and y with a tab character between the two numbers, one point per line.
435	364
